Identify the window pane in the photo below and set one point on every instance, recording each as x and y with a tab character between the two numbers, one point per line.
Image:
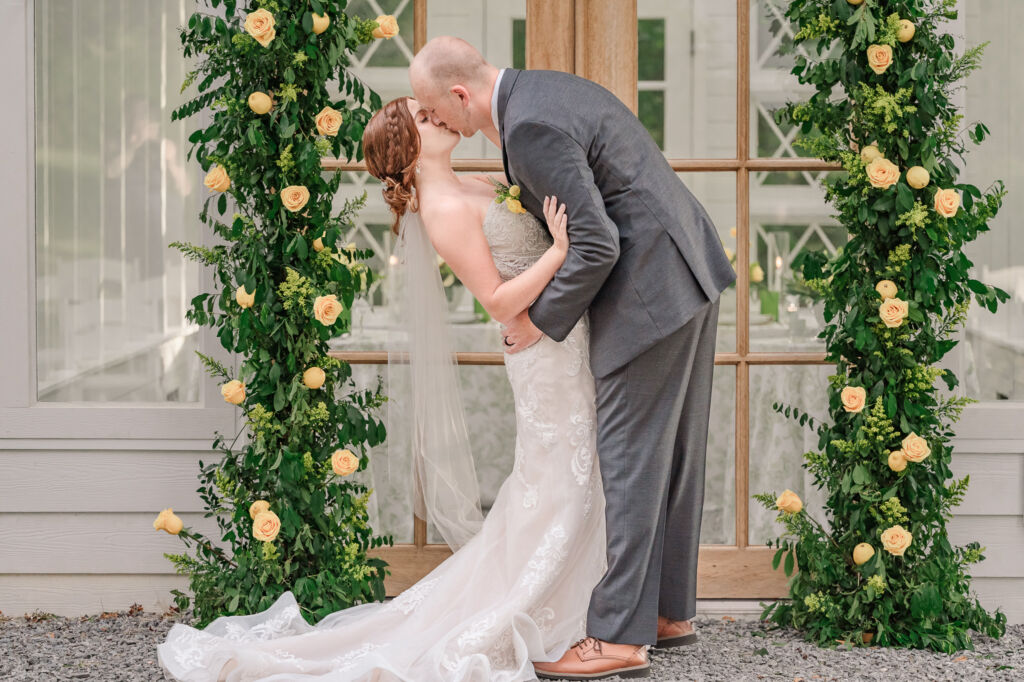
687	50
718	521
519	43
777	443
992	354
772	56
787	218
396	52
651	111
490	420
113	189
651	50
717	193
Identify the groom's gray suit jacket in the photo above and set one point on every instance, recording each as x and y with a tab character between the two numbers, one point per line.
644	255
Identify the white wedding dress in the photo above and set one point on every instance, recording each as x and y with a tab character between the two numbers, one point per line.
517	592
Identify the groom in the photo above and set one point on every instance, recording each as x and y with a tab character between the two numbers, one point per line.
646	261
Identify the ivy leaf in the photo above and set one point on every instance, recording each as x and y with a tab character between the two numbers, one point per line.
904	197
977	287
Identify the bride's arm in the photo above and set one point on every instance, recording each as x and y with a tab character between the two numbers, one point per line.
458	239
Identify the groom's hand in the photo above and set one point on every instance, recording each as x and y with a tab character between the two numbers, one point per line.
520	333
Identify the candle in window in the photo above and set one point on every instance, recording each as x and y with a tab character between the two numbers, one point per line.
778	273
393	260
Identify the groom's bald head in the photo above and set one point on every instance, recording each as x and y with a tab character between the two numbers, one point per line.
446	61
453	81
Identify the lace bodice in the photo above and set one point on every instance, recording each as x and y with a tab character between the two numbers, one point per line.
517	240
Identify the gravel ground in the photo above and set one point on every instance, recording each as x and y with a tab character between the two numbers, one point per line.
122	646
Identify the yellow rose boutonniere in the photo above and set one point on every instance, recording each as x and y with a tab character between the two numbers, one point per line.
508	196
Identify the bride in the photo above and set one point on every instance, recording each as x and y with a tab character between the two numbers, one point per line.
518	589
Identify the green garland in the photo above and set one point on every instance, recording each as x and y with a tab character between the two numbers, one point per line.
288	514
894	294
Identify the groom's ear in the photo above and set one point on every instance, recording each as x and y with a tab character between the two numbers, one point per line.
462	93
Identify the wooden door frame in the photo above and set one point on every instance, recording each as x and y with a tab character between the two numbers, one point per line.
599	41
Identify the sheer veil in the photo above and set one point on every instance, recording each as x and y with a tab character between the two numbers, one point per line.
426	424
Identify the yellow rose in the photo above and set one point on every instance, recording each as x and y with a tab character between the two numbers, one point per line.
233	392
853	398
257	507
879	58
729	253
314	377
893	311
266	526
514	205
789	502
260	25
947	201
915	448
387	27
260	102
756	273
854	2
862	553
167	521
326	309
320	23
896	540
294	197
882	173
318	243
886	289
217	179
328	121
344	462
244	298
732	232
513	191
917	177
907	31
869	154
897	460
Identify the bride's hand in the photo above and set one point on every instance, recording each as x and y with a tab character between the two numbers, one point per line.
557	223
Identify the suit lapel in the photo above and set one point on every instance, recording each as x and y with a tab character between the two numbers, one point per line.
508	80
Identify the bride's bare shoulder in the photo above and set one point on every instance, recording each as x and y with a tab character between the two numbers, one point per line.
449	212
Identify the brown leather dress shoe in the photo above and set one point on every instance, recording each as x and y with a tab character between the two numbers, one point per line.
592	659
671	633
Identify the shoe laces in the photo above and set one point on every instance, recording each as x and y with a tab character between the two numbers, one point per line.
596	643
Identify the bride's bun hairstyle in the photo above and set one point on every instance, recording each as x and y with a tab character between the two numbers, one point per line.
391	145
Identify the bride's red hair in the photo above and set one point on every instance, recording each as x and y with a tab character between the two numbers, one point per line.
391	145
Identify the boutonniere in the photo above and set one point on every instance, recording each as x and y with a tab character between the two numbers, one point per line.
507	195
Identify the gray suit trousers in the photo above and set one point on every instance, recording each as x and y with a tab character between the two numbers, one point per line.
652	417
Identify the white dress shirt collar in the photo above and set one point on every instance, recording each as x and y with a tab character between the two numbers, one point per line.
494	101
